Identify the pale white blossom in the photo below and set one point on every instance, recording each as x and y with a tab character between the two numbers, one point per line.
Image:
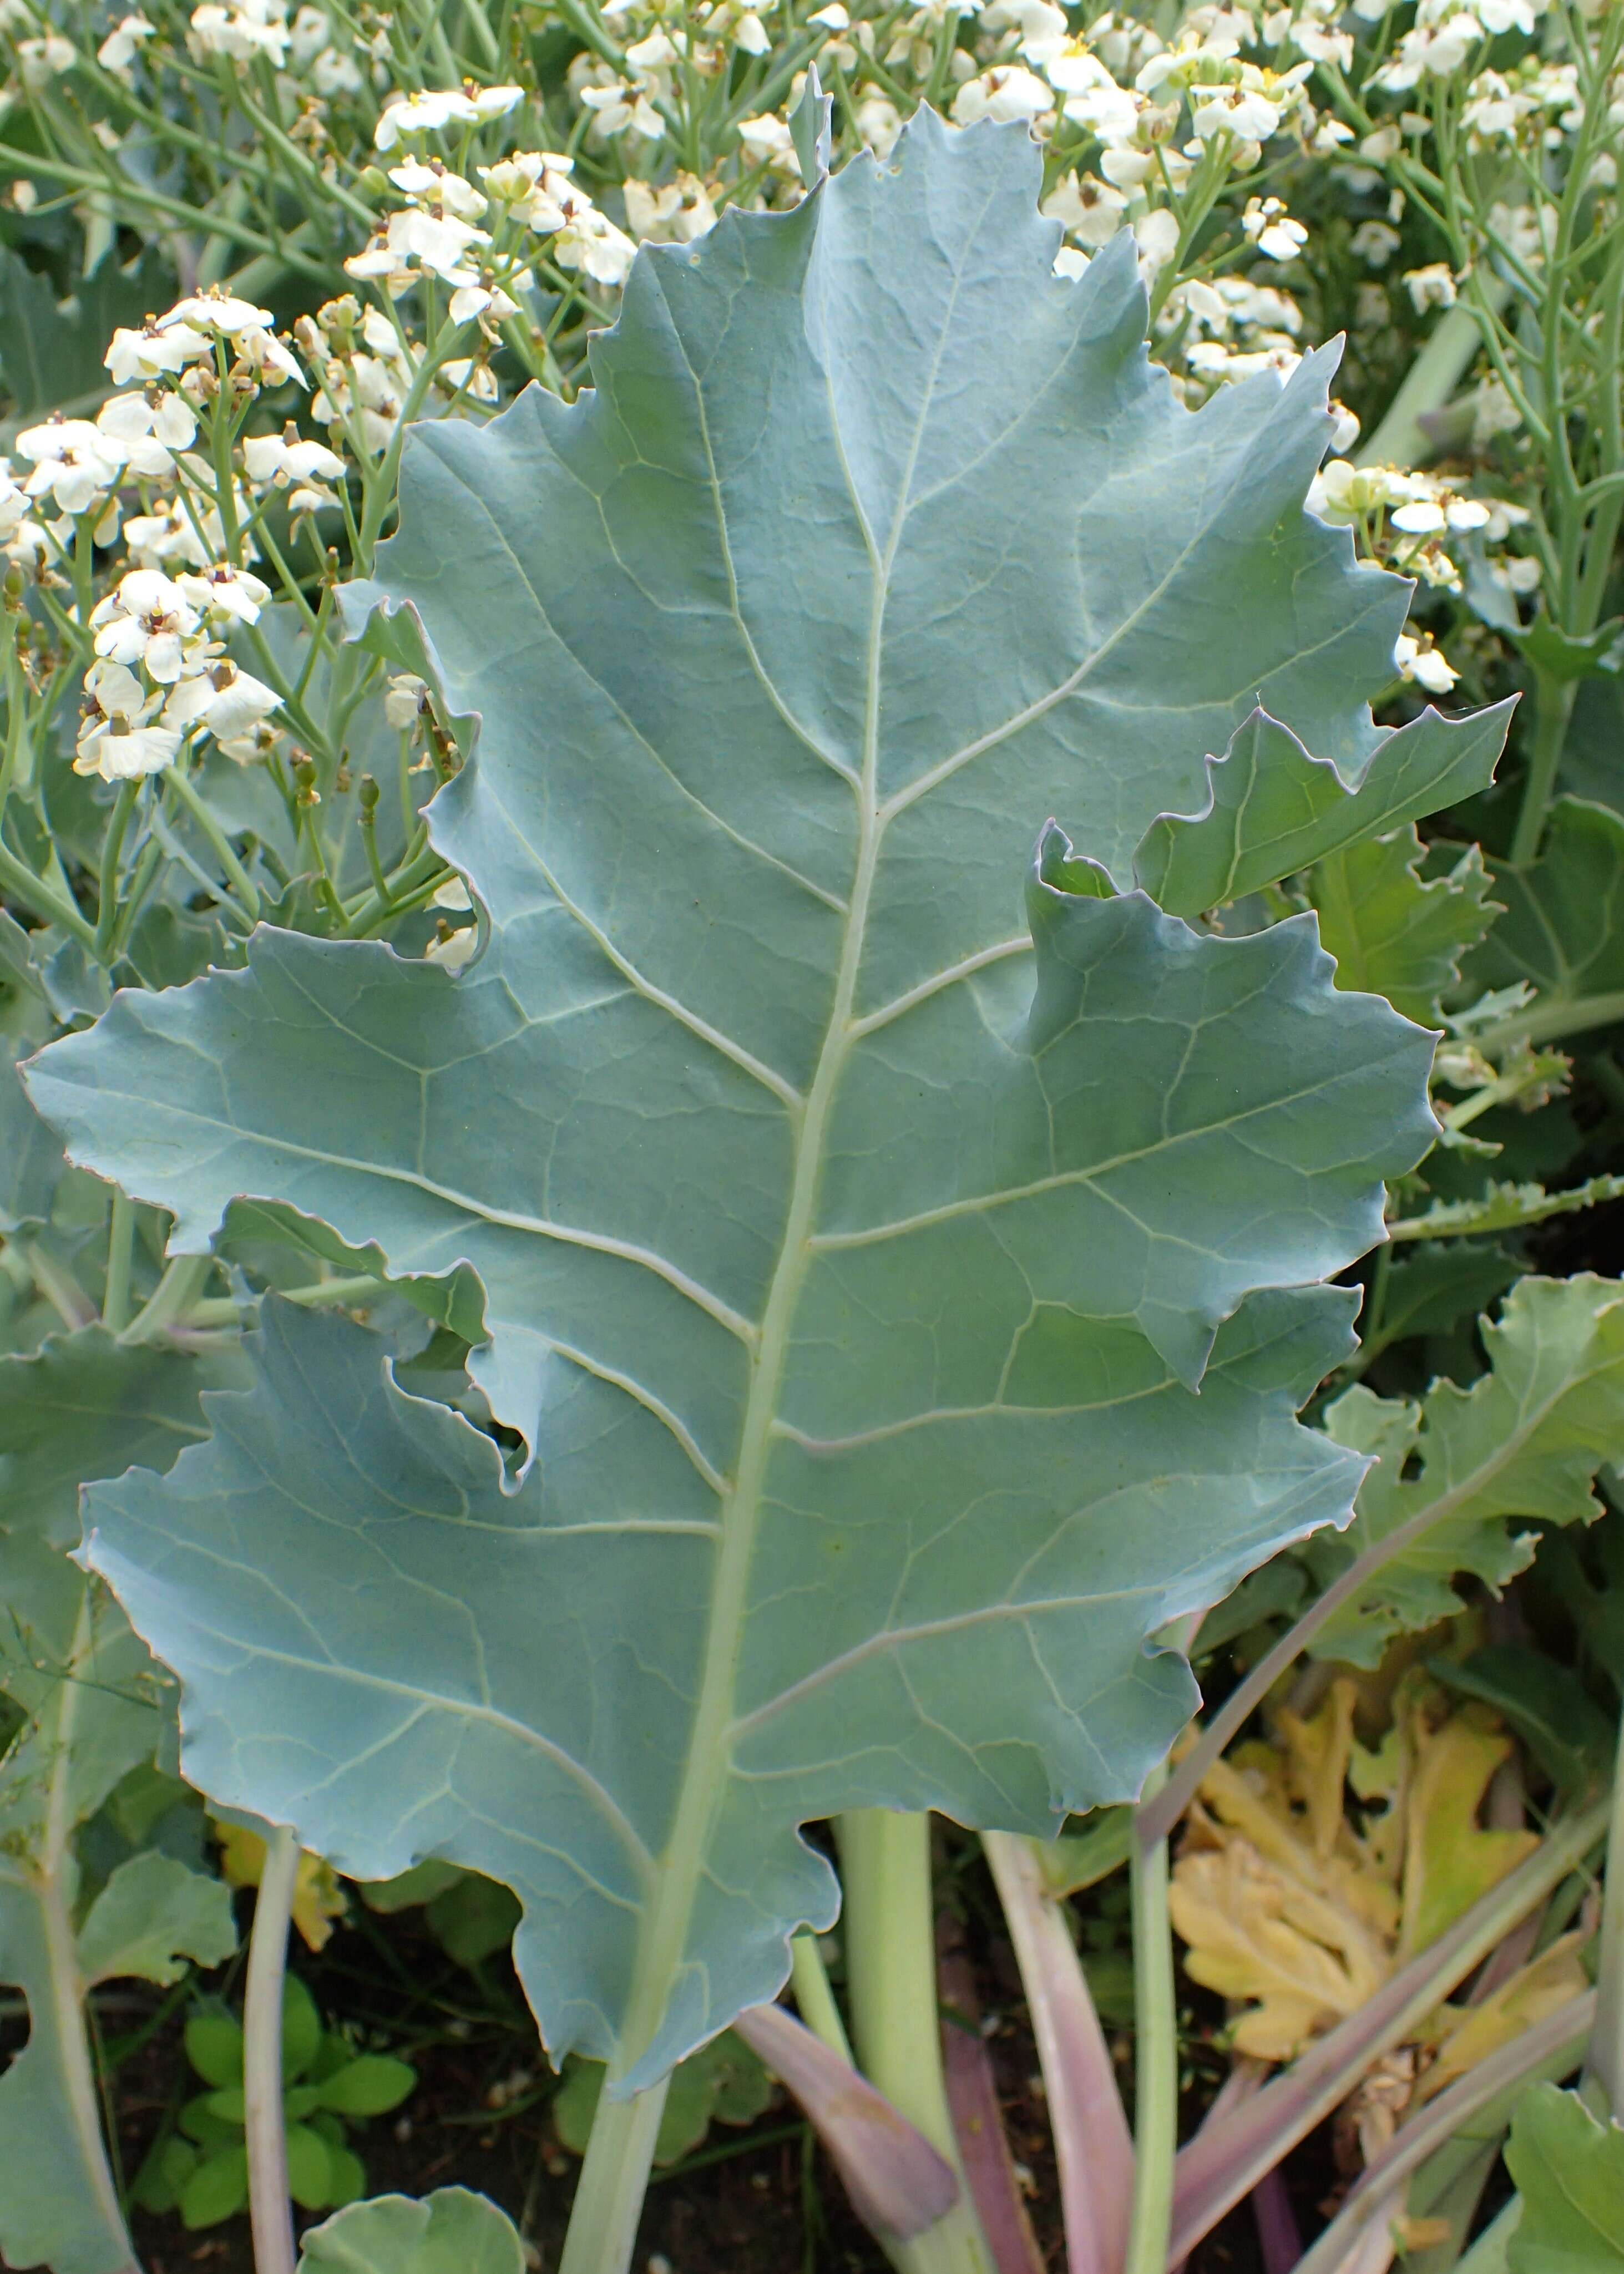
1432	287
147	620
122	45
75	464
1272	230
227	701
428	113
1090	210
281	460
242	31
675	213
1006	93
1423	664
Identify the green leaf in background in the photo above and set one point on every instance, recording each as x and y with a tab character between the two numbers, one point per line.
84	1406
1394	932
1434	1284
1569	2169
1524	1442
1563	929
151	1917
853	1253
450	2232
30	1156
85	1688
1548	1706
51	349
1273	808
723	2082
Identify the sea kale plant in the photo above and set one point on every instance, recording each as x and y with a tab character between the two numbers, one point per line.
759	1051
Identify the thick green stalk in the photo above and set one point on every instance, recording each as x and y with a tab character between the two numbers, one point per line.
608	2200
887	1916
269	2211
1156	2055
183	1278
814	1997
1553	704
120	1254
1605	2060
1401	440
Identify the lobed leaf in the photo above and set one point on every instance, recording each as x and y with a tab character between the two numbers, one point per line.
1524	1442
907	1309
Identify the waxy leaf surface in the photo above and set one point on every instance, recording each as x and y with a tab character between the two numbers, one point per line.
906	1300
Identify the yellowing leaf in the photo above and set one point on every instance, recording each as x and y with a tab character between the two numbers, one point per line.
317	1899
1318	1754
1255	1934
1469	2034
1449	1859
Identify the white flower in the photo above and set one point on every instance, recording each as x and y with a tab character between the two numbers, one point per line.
1272	228
1424	664
156	539
768	142
590	241
13	503
434	185
1345	431
436	241
1041	27
119	749
1006	93
285	458
1433	287
426	114
1087	209
1069	262
226	591
1156	235
1245	112
619	108
452	894
227	701
115	738
40	61
240	32
451	950
879	123
123	43
1374	242
404	702
147	427
143	355
750	33
74	462
480	294
676	213
148	620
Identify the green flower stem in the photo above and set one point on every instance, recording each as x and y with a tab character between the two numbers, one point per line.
1156	2054
1549	1021
815	1996
1549	2048
324	1294
185	790
120	1252
66	2021
888	1919
1401	440
269	2211
609	2198
1605	2060
175	1292
1553	704
107	898
35	894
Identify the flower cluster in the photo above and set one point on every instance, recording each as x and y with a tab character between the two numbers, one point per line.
161	671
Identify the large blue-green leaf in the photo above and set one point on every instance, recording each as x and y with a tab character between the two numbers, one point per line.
907	1304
